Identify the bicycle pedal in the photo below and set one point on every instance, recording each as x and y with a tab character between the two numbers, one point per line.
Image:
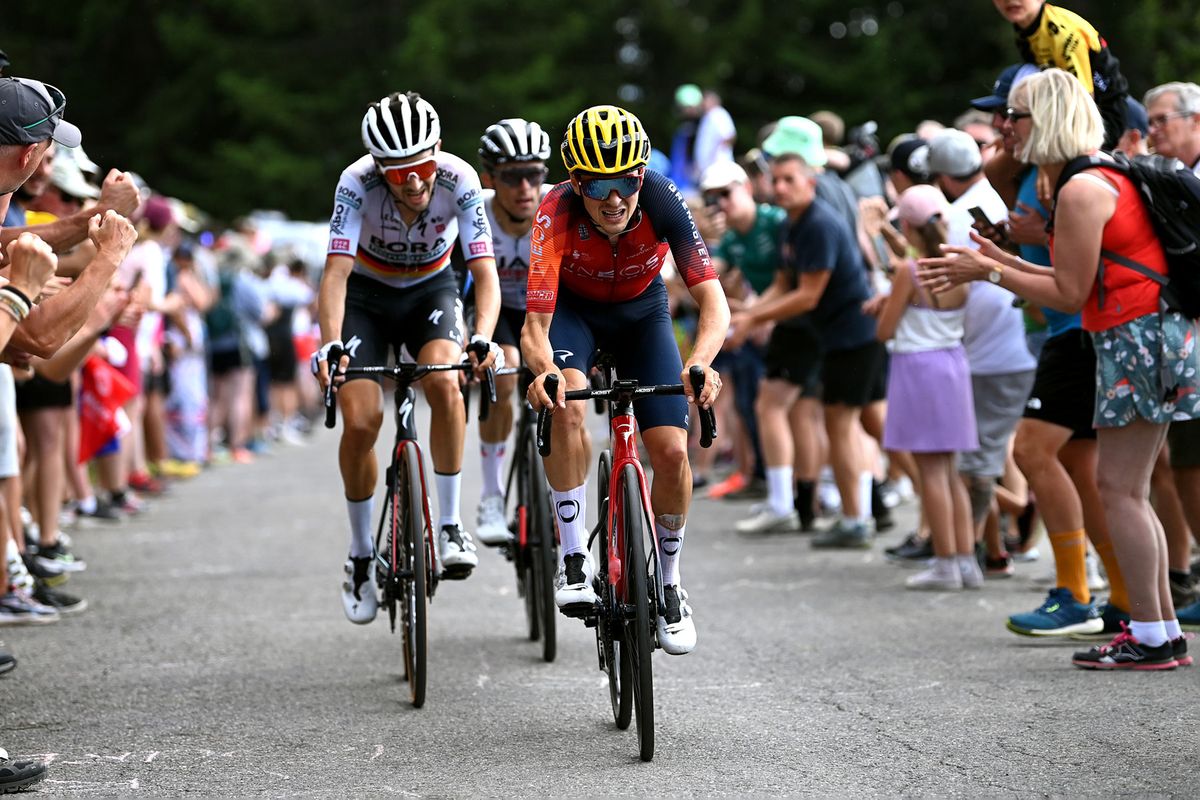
579	610
458	573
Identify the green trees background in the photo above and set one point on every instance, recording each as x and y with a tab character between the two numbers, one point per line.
243	104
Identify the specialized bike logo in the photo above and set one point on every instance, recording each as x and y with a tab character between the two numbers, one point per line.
352	346
436	316
406	410
568	510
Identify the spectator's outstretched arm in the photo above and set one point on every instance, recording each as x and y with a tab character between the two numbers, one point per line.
60	366
56	320
118	194
32	263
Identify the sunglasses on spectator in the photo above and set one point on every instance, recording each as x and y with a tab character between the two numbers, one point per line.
1159	120
515	177
398	175
600	188
58	102
1012	115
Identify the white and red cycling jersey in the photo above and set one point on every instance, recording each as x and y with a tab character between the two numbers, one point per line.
366	223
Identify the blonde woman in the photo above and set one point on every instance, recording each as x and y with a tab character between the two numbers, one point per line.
1144	354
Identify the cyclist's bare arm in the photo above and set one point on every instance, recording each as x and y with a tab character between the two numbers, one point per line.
539	357
487	295
331	304
710	335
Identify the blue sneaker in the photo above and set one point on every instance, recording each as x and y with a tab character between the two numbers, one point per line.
1058	616
1189	616
1115	620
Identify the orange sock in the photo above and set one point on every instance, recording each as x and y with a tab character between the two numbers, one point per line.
1116	581
1070	552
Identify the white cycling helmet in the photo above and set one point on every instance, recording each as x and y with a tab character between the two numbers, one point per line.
514	139
400	125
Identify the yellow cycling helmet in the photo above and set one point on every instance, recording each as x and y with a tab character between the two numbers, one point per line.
606	140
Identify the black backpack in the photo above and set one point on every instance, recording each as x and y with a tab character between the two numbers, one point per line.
1172	196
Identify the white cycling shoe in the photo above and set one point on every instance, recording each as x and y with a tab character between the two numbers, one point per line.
358	591
676	630
490	527
573	583
457	552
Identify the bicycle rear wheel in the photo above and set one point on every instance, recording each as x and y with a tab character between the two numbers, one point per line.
408	543
608	626
638	637
542	552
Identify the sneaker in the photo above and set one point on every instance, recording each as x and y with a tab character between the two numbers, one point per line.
56	559
1183	592
8	662
1095	581
735	482
1189	617
33	569
943	575
972	574
358	591
1059	615
676	630
756	489
128	503
914	548
18	608
241	455
1126	652
141	482
16	776
1114	620
770	521
182	470
60	601
104	511
699	481
1026	556
844	533
490	526
457	552
1179	650
573	583
998	567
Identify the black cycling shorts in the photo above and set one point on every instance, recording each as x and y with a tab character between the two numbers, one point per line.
380	319
508	327
639	336
1064	387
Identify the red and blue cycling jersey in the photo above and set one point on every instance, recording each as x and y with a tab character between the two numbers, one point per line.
567	250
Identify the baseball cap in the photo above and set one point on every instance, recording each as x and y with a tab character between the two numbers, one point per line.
31	112
1136	116
688	95
799	135
952	153
1010	77
721	174
66	176
921	203
901	159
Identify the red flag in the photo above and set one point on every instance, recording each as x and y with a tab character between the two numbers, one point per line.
104	390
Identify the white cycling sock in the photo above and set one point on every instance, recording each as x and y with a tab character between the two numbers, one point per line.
448	489
669	528
865	480
361	512
1173	629
779	490
570	507
1151	634
492	464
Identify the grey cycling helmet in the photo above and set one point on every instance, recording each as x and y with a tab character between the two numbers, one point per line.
514	139
400	125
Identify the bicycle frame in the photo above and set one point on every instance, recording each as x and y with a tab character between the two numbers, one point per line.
406	436
623	444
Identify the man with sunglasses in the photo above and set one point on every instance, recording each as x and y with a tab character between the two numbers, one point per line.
598	244
398	212
513	154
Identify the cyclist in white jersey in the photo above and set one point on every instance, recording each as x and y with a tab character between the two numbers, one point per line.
513	154
397	214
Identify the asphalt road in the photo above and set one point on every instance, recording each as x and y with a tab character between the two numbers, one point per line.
215	660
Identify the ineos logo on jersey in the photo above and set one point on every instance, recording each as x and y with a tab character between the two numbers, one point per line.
568	510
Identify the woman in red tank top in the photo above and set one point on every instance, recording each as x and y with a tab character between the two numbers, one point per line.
1147	366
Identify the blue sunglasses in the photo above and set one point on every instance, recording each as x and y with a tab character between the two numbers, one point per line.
600	188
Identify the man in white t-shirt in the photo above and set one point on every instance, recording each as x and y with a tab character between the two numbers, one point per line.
1002	368
715	135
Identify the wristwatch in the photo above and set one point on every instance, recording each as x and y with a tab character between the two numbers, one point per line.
994	274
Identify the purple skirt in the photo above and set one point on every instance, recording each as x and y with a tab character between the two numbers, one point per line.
930	407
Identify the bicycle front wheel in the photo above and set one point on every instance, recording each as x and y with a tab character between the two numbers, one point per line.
543	553
609	625
638	640
408	543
